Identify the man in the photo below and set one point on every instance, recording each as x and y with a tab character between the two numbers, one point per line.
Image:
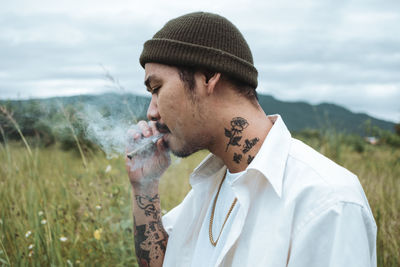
261	198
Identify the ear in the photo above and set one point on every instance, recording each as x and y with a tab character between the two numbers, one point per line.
211	82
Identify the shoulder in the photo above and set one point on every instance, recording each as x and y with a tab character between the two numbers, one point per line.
307	169
305	157
314	184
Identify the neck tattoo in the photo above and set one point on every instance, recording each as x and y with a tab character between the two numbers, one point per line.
235	134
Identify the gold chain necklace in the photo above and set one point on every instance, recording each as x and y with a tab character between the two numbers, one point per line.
214	243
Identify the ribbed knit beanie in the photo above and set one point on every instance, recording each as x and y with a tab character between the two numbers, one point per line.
202	40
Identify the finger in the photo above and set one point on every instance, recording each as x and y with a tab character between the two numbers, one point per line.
134	133
145	128
161	146
163	153
152	125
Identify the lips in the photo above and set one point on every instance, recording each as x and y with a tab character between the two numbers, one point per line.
162	128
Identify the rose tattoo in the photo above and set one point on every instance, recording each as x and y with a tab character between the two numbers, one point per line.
238	124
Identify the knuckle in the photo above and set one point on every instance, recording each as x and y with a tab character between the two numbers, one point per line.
142	124
131	132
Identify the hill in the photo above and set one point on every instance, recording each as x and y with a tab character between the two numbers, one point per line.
301	115
297	115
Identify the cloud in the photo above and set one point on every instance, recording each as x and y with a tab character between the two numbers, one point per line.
344	52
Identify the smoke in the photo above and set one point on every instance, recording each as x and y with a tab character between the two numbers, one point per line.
108	132
114	134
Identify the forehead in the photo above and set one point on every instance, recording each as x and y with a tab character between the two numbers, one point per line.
159	71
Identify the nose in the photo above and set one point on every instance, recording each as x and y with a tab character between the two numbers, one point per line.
152	111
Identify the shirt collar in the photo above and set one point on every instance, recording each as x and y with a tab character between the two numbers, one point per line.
206	169
270	160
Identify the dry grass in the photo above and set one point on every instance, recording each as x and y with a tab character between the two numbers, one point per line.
91	207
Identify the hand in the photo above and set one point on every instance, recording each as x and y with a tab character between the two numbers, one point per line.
146	169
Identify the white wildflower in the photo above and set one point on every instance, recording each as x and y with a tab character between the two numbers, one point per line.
28	234
98	207
30	253
69	263
40	213
31	246
44	221
108	169
63	239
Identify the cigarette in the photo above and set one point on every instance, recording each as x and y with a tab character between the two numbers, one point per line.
146	145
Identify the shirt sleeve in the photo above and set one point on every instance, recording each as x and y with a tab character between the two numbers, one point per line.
342	235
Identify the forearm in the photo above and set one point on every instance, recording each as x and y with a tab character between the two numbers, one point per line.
144	171
150	237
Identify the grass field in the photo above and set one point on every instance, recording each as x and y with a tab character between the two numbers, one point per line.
56	212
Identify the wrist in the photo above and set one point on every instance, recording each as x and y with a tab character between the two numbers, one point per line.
145	187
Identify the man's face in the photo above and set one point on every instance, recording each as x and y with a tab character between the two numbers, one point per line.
175	110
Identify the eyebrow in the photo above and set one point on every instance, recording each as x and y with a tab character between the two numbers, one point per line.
149	80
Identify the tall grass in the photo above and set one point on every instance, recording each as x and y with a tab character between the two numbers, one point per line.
57	198
69	124
9	116
80	216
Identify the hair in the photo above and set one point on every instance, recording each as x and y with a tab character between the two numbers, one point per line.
186	74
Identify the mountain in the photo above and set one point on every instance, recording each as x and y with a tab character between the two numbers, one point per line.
297	115
301	115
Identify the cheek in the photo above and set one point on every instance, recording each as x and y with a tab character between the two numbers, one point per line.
166	107
173	104
169	109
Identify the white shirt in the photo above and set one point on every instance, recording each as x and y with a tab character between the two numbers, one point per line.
297	209
204	253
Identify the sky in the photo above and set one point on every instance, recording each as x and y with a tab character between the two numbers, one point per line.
342	52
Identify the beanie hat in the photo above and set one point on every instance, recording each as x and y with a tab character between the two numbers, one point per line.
202	40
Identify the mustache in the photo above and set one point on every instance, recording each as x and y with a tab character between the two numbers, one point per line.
162	128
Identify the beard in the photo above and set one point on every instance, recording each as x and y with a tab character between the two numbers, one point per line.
184	152
182	147
186	148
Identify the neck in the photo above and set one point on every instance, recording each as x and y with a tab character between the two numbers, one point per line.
240	136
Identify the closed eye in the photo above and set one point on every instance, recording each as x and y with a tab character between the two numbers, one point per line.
155	90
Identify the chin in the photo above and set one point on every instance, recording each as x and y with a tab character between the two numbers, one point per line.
183	151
